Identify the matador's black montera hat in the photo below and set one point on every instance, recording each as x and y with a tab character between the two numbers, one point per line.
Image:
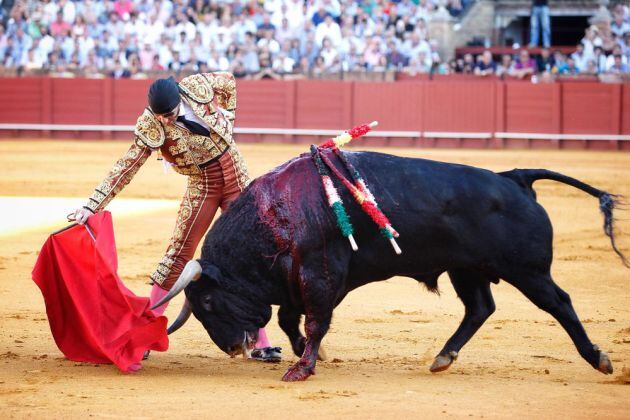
163	95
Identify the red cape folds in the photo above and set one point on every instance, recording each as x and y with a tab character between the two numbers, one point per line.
93	316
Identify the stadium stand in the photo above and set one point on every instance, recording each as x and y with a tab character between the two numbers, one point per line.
291	39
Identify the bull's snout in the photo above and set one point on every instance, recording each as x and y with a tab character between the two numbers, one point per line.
245	347
234	350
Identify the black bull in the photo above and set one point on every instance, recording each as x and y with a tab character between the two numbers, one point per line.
278	244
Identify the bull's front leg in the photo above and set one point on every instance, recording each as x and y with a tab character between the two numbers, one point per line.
319	291
289	321
316	327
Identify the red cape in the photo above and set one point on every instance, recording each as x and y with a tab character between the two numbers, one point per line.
93	316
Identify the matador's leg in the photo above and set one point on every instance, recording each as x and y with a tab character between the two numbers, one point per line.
199	205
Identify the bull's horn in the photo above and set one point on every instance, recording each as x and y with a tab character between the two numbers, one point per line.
191	272
181	319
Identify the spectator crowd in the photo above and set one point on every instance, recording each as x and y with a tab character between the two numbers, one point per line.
601	51
270	38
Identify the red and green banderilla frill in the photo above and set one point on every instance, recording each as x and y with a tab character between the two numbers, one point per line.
334	200
359	190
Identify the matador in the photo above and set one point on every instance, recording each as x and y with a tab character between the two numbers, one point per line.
191	124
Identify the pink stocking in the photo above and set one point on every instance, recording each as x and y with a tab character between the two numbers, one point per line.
134	368
158	293
263	341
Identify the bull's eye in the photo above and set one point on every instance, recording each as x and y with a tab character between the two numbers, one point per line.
206	303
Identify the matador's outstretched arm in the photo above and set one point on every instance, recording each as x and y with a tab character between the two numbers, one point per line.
120	175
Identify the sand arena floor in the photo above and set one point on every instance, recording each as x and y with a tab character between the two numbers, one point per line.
383	337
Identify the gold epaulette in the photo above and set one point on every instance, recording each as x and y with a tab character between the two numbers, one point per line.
224	86
198	88
149	130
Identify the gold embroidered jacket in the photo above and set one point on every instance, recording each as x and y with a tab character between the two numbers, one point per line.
208	94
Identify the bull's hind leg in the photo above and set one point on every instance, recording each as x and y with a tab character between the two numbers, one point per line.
474	291
545	294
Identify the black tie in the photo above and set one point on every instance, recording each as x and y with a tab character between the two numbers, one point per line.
194	127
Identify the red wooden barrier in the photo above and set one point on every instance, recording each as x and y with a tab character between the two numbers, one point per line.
265	103
396	106
625	110
128	99
444	104
532	108
77	100
459	106
20	100
591	108
323	104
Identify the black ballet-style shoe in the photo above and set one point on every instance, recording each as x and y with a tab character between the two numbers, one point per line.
267	354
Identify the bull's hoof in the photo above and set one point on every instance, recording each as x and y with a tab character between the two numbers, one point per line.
298	372
604	364
443	361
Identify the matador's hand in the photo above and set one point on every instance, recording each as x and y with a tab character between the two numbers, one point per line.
81	215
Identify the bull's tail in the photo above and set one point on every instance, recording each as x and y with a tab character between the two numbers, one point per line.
607	201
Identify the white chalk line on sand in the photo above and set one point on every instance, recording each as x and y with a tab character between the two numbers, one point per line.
20	214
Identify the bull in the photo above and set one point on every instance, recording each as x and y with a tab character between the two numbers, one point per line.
278	244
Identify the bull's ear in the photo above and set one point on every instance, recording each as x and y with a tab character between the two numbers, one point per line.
212	273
